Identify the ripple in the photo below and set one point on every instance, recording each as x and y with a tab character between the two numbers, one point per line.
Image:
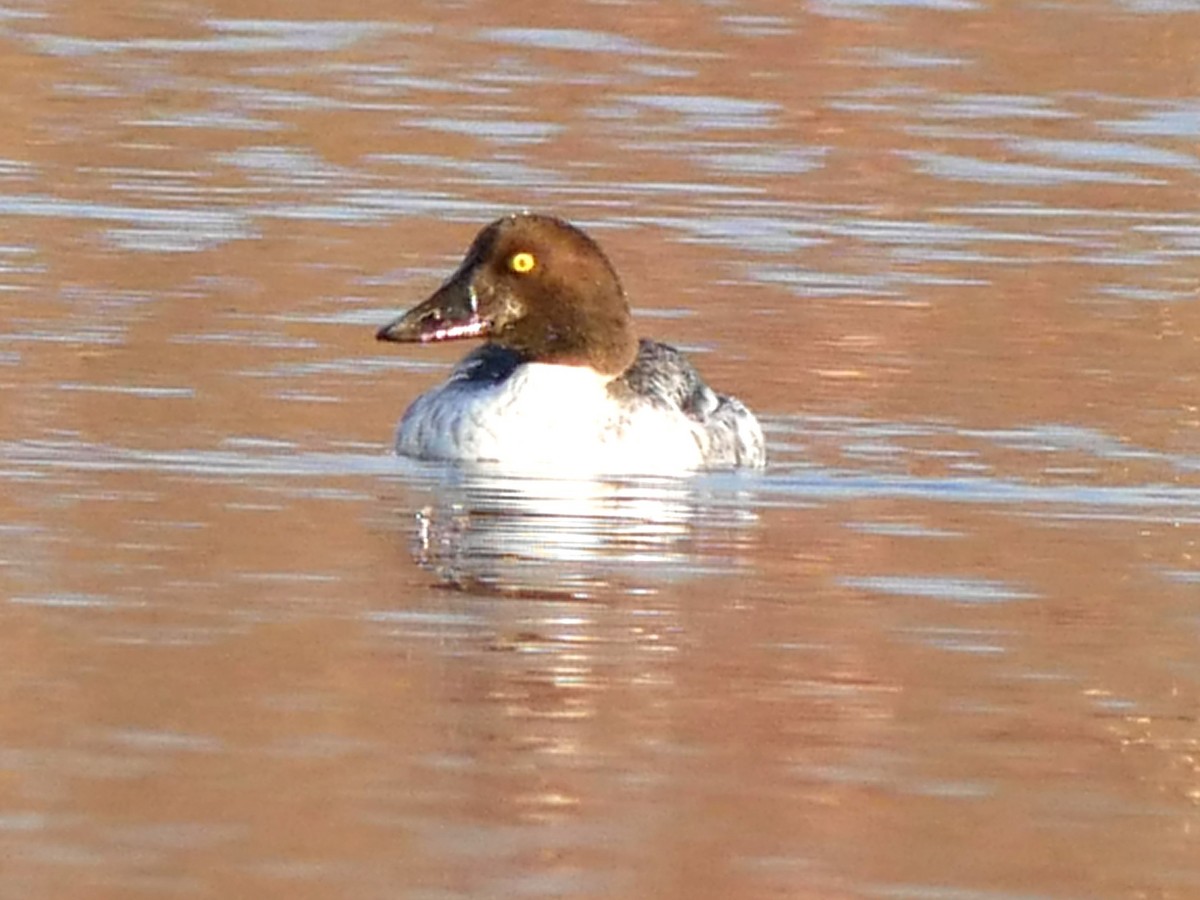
936	587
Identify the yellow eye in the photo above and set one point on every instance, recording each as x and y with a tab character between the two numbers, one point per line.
521	263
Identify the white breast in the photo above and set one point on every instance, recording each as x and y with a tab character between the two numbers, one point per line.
548	417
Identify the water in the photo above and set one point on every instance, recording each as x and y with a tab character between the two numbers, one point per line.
944	647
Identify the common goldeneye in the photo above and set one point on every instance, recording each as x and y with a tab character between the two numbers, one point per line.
563	381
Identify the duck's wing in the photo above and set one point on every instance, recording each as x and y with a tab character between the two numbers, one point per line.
728	432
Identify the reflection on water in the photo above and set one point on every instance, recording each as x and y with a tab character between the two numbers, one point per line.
579	538
944	647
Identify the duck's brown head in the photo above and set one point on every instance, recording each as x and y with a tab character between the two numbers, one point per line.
536	285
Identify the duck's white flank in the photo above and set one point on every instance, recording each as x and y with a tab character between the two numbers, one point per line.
545	416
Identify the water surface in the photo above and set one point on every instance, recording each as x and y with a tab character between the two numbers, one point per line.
945	646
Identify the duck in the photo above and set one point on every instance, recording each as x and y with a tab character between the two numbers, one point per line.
562	380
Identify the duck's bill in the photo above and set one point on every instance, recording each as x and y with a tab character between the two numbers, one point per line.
449	315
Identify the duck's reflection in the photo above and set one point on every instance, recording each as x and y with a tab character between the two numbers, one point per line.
531	536
558	649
